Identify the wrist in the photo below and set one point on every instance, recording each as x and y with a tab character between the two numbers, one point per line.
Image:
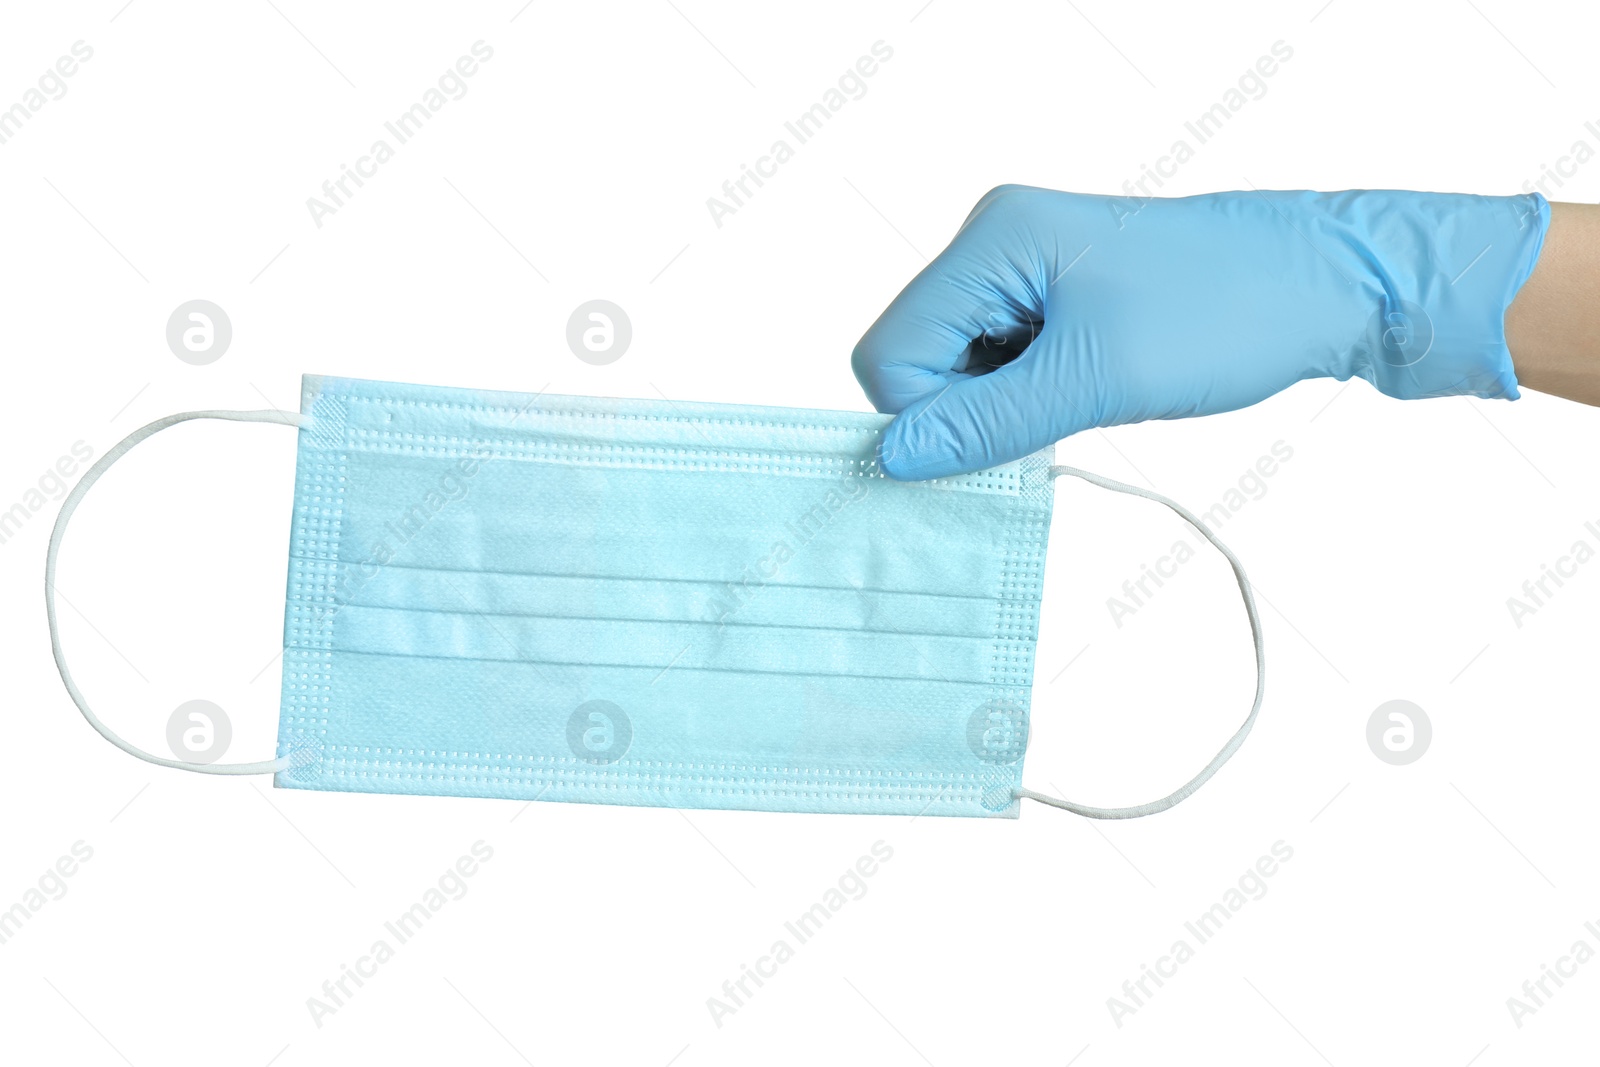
1551	327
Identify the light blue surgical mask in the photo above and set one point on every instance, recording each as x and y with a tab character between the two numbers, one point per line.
650	602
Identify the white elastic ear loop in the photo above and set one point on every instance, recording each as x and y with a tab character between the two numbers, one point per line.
287	418
1261	665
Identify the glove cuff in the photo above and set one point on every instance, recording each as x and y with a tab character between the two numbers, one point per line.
1441	269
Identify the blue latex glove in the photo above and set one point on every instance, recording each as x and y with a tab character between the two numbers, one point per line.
1052	313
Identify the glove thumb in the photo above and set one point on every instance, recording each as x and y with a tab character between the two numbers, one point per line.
984	421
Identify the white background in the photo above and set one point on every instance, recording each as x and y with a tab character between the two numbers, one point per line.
577	166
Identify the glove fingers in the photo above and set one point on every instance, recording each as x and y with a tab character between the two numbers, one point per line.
967	312
982	421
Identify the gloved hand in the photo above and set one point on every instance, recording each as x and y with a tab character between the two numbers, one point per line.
1051	313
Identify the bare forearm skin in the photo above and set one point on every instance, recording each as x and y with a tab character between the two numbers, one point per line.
1553	326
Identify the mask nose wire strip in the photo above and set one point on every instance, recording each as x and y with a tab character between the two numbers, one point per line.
1237	739
287	418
